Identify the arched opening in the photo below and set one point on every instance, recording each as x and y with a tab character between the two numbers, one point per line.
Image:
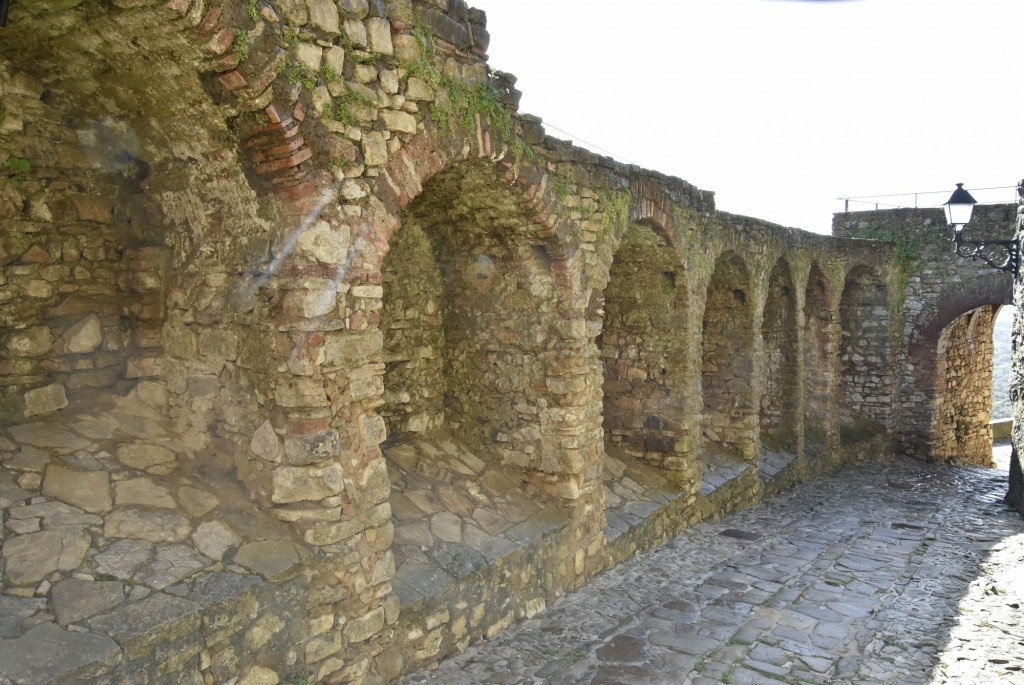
818	365
960	424
643	351
780	398
471	352
1002	408
729	414
865	402
926	388
467	313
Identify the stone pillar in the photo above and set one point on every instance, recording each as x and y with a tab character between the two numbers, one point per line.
1017	375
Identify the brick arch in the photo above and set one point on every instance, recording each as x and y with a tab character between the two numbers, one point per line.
427	155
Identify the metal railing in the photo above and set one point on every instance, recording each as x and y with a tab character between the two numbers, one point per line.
935	198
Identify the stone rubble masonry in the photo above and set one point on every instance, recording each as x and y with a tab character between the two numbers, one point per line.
944	361
265	245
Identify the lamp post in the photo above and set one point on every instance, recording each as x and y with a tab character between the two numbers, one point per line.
999	254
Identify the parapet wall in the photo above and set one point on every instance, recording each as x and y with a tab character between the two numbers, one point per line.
446	354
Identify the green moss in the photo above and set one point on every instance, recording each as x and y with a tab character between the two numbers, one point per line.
329	73
466	102
424	68
615	206
358	98
339	110
252	8
19	165
289	39
240	46
560	187
907	250
298	74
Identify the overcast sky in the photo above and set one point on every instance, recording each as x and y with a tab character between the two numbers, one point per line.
780	106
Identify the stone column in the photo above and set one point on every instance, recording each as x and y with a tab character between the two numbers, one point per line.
1015	496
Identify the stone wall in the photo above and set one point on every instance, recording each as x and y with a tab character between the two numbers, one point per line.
1015	492
820	362
779	332
936	288
644	359
80	290
865	353
437	352
961	431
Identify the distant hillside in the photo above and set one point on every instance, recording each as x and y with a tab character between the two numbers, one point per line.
1001	365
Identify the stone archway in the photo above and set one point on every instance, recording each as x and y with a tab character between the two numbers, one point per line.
946	408
779	332
960	422
644	351
729	413
468	319
819	365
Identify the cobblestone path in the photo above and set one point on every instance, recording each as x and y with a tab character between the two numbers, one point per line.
904	573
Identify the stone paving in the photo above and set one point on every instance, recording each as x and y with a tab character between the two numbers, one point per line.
119	534
907	573
455	514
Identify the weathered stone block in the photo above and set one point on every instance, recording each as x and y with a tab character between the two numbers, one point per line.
323	15
345	350
378	35
365	627
319	648
47	654
309	55
259	675
45	400
30	342
398	121
147	457
310	449
375	149
32	557
141	627
74	600
353	9
296	483
300	392
83	337
214	538
142	524
273	559
144	492
265	443
89	490
326	243
327	534
219	344
311	304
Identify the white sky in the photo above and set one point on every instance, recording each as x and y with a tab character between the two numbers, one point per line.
780	106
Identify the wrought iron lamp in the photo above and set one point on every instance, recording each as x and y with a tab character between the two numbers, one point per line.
999	254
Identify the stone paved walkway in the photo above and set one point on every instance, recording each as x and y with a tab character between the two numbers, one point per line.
904	574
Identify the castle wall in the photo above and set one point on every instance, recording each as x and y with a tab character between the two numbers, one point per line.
448	367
